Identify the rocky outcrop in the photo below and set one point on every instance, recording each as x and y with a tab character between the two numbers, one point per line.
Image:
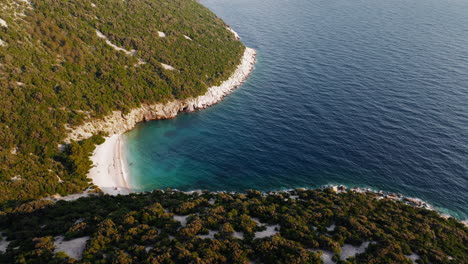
118	123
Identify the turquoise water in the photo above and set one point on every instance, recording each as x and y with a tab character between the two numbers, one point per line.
370	93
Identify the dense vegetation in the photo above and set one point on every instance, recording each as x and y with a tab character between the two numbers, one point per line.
141	228
55	70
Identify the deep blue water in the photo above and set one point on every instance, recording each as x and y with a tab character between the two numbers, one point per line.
370	93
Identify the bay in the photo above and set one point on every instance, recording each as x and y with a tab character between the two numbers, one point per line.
355	92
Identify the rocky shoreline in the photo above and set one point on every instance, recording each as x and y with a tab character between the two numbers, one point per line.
379	194
118	123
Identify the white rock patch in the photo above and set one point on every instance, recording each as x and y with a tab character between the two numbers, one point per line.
182	219
187	37
3	243
26	1
216	93
167	67
100	35
234	33
59	179
270	231
2	43
14	150
239	235
331	227
16	178
148	249
161	34
210	234
413	257
73	248
349	250
93	5
327	256
72	197
140	62
3	23
256	220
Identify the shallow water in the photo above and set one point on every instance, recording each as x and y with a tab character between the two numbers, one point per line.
362	93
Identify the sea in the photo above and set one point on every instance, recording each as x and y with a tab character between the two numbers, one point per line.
366	93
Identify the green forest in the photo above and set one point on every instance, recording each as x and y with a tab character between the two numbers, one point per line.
58	69
144	228
55	70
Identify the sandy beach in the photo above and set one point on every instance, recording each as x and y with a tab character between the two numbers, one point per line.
109	172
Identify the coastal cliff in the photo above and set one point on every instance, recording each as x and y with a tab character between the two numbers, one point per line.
118	123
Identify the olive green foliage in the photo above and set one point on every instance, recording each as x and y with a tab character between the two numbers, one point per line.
140	228
55	70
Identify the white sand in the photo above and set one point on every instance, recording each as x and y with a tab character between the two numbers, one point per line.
109	172
73	248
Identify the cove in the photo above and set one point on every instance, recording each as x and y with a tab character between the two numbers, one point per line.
361	93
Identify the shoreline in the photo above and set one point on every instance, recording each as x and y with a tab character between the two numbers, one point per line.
110	174
109	170
378	194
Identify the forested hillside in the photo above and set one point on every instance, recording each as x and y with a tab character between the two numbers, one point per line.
302	226
66	61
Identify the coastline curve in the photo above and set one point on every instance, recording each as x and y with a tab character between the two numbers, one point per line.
108	171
